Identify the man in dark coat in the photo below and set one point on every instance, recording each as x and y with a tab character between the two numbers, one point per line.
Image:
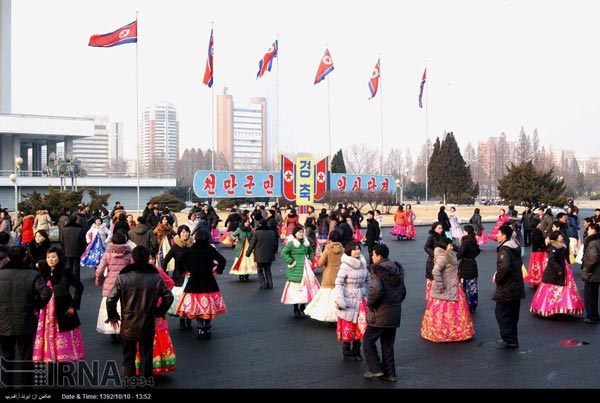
264	244
344	229
590	273
372	235
138	287
143	235
386	293
509	288
74	245
443	219
22	292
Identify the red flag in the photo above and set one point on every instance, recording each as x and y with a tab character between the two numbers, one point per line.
123	35
208	71
267	61
325	67
422	85
374	81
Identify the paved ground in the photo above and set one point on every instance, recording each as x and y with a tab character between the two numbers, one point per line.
259	343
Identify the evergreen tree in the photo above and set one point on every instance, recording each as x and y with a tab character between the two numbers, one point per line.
434	172
523	183
337	163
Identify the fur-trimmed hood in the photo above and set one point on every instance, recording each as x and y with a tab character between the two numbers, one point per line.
557	245
181	243
356	264
591	238
443	252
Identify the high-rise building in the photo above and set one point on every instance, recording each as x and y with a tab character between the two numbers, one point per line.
93	151
160	139
242	133
493	158
115	141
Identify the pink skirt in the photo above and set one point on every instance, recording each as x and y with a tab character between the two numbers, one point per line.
201	306
482	239
411	233
551	299
428	284
446	321
537	264
398	230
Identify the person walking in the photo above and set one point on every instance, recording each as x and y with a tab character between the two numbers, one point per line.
74	246
138	288
385	296
475	221
590	273
263	244
22	293
372	235
509	288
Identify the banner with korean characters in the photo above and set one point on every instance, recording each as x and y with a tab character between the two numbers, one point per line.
240	184
350	183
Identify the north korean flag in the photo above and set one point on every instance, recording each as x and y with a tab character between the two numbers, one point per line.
267	61
374	81
123	35
325	67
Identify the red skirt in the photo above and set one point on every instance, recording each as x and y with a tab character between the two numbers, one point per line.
201	306
537	264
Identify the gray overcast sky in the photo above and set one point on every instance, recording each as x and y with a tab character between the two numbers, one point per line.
493	66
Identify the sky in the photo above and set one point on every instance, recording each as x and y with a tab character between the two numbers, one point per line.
492	66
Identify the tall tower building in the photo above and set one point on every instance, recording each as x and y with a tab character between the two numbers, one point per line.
242	133
160	139
93	150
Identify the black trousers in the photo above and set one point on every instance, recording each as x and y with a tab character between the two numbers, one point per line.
590	298
25	346
129	351
507	316
527	237
262	270
387	335
73	264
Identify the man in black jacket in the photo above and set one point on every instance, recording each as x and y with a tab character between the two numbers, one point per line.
22	292
138	287
264	244
386	293
74	245
509	288
372	235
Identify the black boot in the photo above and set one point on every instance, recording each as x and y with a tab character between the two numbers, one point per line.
356	350
241	277
297	313
188	324
200	328
269	278
182	324
246	277
302	307
207	326
347	351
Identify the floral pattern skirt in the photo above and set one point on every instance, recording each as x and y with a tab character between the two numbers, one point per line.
201	306
163	353
552	299
446	321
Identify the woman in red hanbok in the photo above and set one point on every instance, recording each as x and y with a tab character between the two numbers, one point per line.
502	219
539	255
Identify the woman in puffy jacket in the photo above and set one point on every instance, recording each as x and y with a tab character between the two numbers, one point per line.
115	258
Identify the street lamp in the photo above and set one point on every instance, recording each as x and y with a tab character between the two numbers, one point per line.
398	184
13	179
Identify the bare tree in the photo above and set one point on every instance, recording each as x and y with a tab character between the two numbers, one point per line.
361	159
408	162
393	165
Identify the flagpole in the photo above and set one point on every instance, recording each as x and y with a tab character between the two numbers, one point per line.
137	112
381	112
277	107
426	141
212	108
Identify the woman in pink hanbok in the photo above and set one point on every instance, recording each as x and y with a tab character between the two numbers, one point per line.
557	293
411	233
475	221
502	219
58	337
447	317
539	255
399	229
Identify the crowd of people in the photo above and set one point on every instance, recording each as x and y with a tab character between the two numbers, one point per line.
153	267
